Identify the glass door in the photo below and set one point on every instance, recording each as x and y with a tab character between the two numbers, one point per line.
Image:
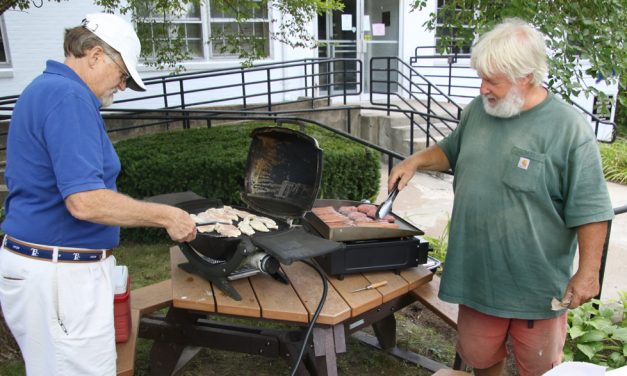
364	29
380	36
337	34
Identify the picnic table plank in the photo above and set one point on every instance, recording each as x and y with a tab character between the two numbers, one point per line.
277	300
153	297
308	286
416	276
188	290
360	301
427	294
396	285
247	307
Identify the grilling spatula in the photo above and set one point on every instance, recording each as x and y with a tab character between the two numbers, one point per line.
386	206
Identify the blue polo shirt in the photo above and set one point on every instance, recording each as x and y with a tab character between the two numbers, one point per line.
57	145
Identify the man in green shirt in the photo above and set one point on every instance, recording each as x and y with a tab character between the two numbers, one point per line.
529	189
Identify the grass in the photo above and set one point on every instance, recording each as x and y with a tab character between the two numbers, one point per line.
417	330
439	245
614	158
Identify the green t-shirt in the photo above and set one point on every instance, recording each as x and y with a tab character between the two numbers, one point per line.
522	185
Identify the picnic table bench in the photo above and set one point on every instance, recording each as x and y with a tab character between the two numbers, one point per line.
192	300
144	300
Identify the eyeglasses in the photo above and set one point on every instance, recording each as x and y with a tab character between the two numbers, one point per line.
125	76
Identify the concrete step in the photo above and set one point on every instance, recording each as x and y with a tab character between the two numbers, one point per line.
376	127
443	109
420	143
393	131
404	131
401	137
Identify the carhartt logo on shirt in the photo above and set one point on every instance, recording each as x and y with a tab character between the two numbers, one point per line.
523	163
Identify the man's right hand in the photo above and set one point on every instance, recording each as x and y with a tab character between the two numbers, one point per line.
402	172
432	159
182	227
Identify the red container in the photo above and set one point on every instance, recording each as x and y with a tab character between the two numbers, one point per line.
122	304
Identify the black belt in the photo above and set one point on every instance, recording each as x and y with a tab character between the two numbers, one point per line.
46	253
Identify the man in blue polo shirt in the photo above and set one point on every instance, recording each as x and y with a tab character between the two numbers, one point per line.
63	211
529	190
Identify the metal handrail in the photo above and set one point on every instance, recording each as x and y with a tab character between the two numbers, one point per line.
175	90
452	64
606	247
448	121
620	210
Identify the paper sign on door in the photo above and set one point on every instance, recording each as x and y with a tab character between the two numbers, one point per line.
378	29
347	22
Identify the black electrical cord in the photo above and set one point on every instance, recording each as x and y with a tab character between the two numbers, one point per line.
325	289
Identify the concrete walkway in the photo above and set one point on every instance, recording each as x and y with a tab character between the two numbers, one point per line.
428	200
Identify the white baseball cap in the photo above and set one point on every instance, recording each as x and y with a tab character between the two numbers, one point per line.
120	35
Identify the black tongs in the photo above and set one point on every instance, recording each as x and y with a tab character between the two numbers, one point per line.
386	206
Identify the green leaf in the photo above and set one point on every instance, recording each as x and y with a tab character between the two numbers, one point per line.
616	360
620	335
568	354
593	336
603	324
578	320
624	349
607	312
588	349
576	331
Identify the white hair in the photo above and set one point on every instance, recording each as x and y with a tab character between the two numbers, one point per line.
514	49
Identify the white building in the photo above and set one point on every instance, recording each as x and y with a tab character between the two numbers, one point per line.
365	29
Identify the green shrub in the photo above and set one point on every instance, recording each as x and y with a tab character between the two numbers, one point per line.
598	335
211	162
614	158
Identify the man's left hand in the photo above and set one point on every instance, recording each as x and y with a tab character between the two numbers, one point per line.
581	288
584	285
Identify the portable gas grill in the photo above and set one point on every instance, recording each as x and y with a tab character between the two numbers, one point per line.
283	173
368	249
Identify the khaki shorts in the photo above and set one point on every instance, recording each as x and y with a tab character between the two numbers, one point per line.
537	347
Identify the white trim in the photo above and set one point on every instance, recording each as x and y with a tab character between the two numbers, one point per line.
5	44
6	73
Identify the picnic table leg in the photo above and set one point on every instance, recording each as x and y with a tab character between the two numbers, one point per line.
385	330
290	348
164	356
325	351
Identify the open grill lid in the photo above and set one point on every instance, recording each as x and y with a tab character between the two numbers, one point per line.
283	172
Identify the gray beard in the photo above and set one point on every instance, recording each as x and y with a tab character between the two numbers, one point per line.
106	100
510	105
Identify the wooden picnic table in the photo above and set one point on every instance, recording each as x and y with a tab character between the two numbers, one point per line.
195	300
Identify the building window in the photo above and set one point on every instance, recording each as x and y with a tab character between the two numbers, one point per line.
4	47
204	30
187	26
255	32
454	32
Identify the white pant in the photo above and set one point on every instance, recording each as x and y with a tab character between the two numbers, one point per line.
61	314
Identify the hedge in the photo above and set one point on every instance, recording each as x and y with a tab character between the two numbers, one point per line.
211	163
